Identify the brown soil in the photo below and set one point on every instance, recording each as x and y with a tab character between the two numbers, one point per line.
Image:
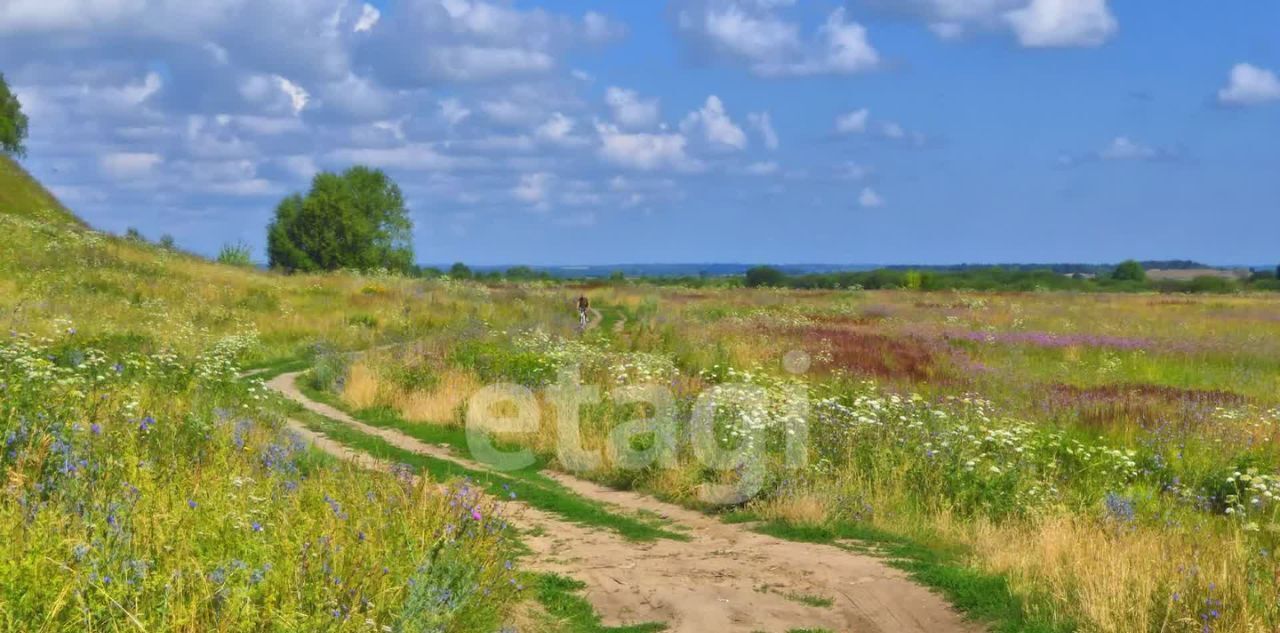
724	579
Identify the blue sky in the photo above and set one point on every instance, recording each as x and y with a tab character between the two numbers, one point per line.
785	131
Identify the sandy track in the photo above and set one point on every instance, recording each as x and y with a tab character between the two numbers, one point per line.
725	579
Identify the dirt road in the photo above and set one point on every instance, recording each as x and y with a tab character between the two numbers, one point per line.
724	579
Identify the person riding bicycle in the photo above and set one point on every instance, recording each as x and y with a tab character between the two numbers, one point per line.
584	304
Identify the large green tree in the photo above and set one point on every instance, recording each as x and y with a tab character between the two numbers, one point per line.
1129	270
356	219
13	123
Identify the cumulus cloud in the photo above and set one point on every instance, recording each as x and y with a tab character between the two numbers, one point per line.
759	35
644	151
763	124
762	168
715	126
413	157
860	122
476	40
1121	149
453	112
129	165
533	188
1034	23
854	122
870	199
558	130
1249	85
630	109
1125	148
369	16
1045	23
275	93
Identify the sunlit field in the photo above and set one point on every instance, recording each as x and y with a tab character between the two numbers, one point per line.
1108	459
1111	456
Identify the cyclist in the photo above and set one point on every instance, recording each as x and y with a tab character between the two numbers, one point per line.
584	304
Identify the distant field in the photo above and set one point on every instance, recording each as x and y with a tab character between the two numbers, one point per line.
1050	461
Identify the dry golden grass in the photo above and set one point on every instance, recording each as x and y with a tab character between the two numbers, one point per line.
1116	580
803	509
363	386
440	404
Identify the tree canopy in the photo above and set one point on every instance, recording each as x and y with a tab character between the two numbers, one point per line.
765	276
1129	270
356	219
13	123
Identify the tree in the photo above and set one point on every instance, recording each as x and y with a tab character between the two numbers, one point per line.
167	242
1129	270
768	276
460	270
13	123
356	219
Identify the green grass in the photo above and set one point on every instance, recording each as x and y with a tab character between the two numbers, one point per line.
267	370
558	595
20	194
811	600
980	596
548	496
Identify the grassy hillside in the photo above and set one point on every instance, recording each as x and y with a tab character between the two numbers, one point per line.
20	194
146	487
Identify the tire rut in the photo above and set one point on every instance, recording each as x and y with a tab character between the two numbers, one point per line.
725	578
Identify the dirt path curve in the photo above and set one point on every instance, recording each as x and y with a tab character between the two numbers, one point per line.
725	579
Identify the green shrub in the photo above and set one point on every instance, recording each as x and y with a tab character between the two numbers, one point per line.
237	254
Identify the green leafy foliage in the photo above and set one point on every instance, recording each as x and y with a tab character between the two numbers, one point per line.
1129	270
237	254
765	276
13	123
356	220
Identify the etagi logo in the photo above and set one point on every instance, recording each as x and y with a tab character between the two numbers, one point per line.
725	430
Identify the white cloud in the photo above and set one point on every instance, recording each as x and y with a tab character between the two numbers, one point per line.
266	125
859	122
1250	85
274	93
558	130
755	33
302	166
854	122
599	28
755	37
413	157
476	40
533	188
763	124
853	171
869	199
763	168
129	165
1125	148
476	63
369	16
717	128
1035	23
644	151
508	112
1047	23
453	112
358	97
135	94
630	109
